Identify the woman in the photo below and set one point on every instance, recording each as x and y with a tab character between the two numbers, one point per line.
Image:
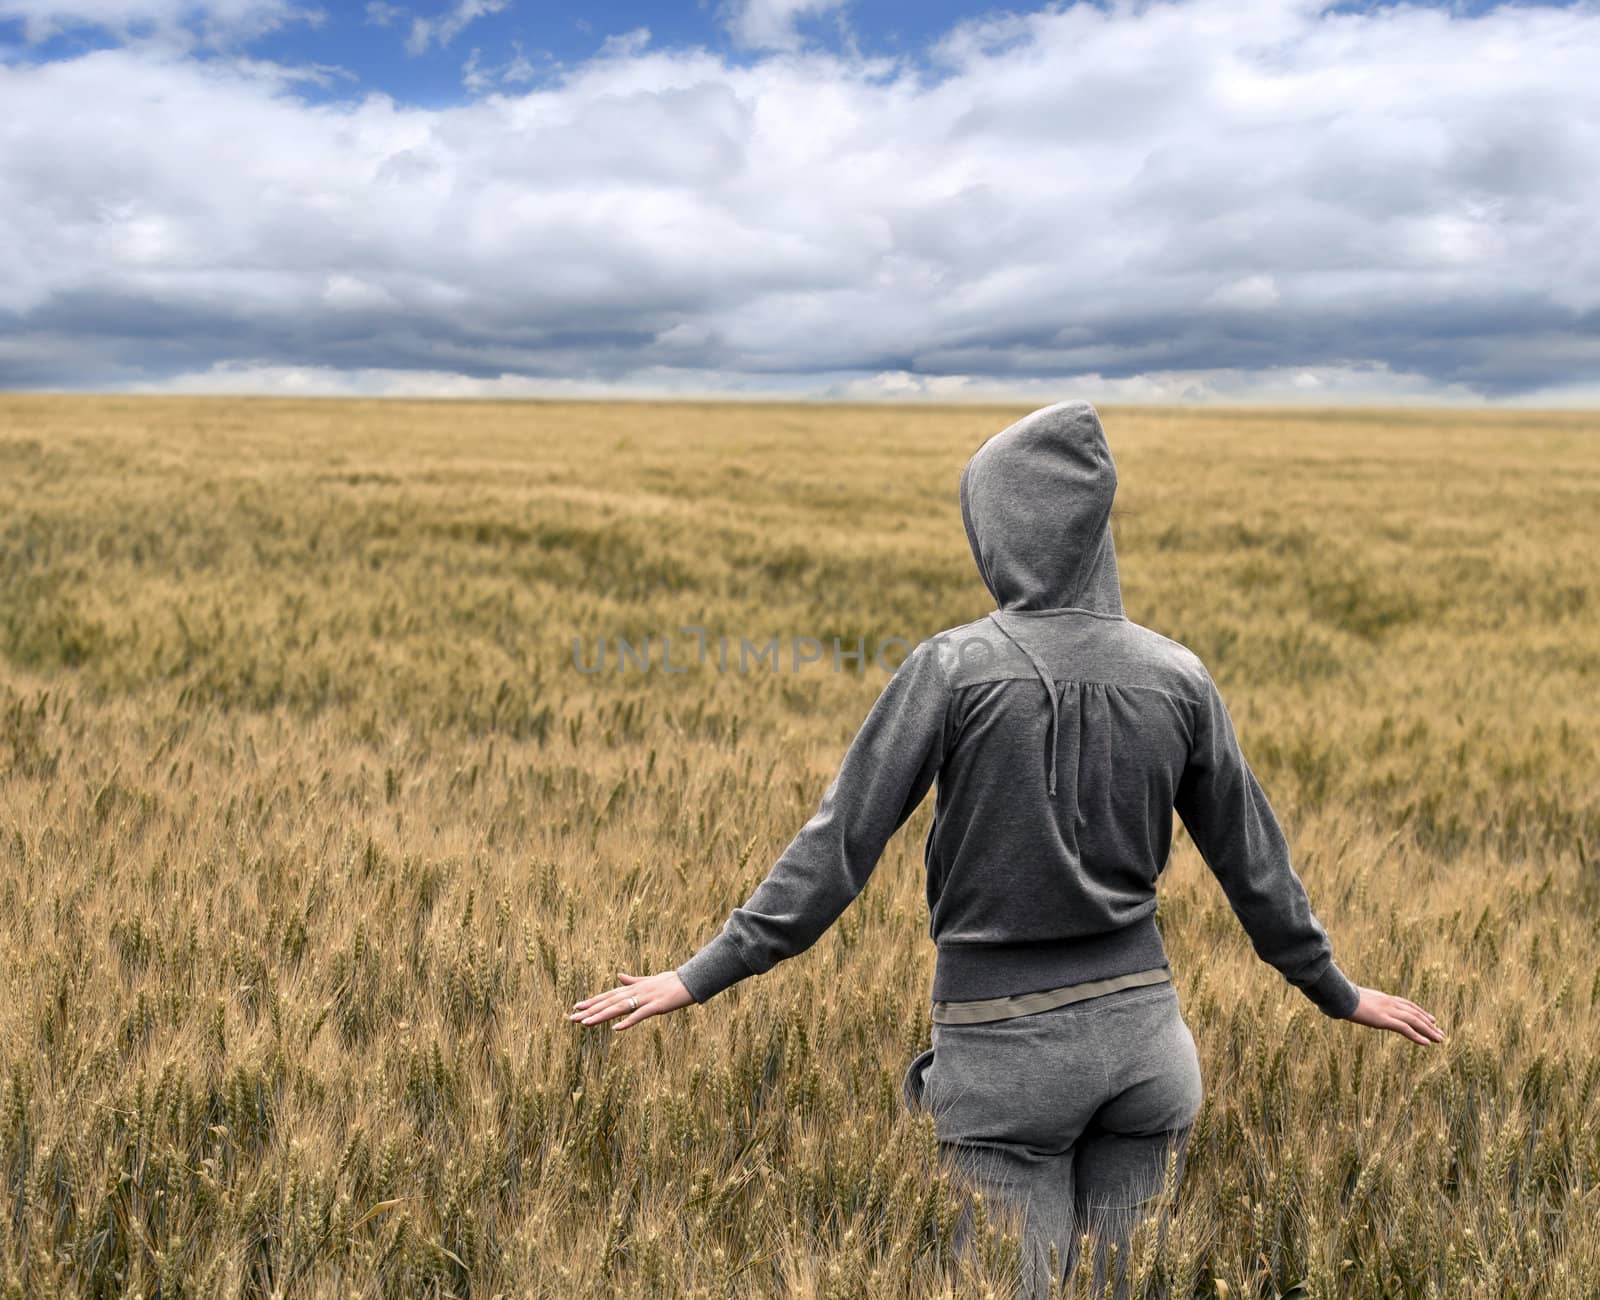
1063	737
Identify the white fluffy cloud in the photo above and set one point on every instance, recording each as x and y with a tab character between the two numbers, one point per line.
772	24
1203	198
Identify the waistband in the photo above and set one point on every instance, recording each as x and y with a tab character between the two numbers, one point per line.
983	1011
996	970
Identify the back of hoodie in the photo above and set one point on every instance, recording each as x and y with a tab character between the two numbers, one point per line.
1063	737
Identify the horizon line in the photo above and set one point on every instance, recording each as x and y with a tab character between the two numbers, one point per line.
1484	406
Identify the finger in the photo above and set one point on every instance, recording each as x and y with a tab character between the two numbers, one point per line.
599	1005
614	1004
1406	1029
594	998
607	1012
1421	1011
1424	1022
646	1010
601	998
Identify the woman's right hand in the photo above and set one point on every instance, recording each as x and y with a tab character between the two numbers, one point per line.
1403	1016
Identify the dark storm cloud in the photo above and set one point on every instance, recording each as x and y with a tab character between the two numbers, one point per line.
1181	200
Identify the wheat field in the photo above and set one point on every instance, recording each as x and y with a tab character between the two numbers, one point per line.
313	827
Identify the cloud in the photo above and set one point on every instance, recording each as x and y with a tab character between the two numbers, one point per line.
1196	200
625	45
442	30
244	379
1277	385
480	78
215	23
1283	386
771	24
1249	291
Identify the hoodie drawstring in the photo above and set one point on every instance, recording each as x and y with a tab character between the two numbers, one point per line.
1049	689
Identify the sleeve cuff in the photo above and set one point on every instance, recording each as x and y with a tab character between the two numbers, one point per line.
1333	993
714	968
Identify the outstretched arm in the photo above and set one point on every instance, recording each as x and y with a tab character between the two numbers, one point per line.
885	774
1227	815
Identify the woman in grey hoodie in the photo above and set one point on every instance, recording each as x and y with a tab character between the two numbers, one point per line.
1062	737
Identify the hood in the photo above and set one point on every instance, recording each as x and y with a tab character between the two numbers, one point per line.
1036	502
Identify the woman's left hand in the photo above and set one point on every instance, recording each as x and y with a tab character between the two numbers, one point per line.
653	995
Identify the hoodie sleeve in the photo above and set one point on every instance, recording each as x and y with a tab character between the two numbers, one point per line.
1227	815
884	776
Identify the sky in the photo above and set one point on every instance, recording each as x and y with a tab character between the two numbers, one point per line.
1162	201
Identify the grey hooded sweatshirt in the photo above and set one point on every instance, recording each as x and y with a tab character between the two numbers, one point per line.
1062	737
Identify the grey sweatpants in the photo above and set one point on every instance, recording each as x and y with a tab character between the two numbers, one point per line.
1068	1114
